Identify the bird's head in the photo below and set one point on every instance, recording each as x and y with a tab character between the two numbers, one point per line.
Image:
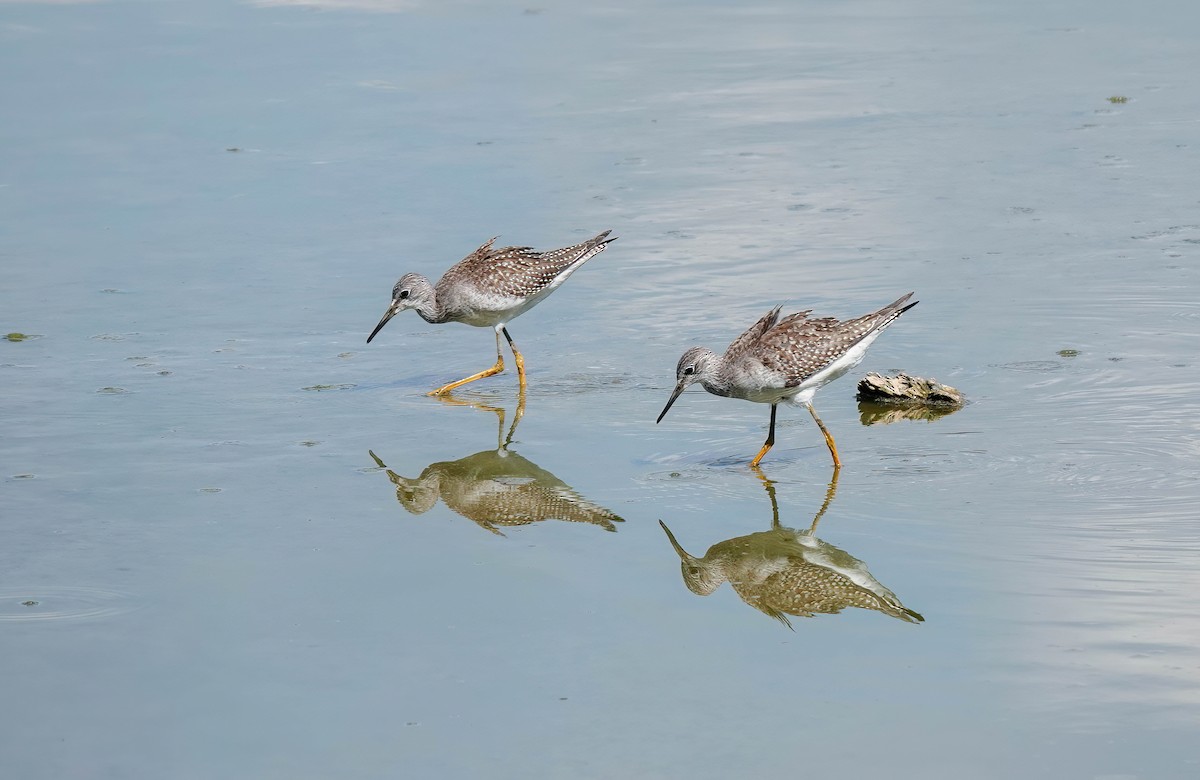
695	365
412	291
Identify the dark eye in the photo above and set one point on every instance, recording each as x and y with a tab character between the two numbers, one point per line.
689	370
403	294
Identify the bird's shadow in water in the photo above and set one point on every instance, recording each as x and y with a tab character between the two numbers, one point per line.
785	571
496	488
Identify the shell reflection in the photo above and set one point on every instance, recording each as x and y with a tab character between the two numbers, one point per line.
871	413
497	488
785	571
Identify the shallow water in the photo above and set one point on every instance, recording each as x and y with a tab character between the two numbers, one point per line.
207	572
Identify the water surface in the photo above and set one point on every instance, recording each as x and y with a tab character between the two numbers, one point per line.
207	572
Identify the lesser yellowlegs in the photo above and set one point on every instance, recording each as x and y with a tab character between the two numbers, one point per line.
489	288
785	360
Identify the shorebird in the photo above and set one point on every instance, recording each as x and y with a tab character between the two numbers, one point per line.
489	288
786	360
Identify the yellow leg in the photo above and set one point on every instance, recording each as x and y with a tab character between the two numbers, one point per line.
496	369
768	444
516	356
837	462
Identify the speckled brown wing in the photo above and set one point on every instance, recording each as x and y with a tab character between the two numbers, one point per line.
561	259
745	344
798	347
518	271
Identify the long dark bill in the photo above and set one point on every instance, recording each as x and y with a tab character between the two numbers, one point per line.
386	316
674	395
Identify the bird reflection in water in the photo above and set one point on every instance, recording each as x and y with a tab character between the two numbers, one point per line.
496	488
785	572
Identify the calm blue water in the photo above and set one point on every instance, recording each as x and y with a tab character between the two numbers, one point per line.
205	573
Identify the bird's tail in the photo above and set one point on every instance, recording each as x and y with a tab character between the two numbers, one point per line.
897	307
888	314
581	253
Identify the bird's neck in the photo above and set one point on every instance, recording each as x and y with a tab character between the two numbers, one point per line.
716	384
430	306
716	378
432	312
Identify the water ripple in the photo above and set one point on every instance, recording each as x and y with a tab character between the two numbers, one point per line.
61	602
